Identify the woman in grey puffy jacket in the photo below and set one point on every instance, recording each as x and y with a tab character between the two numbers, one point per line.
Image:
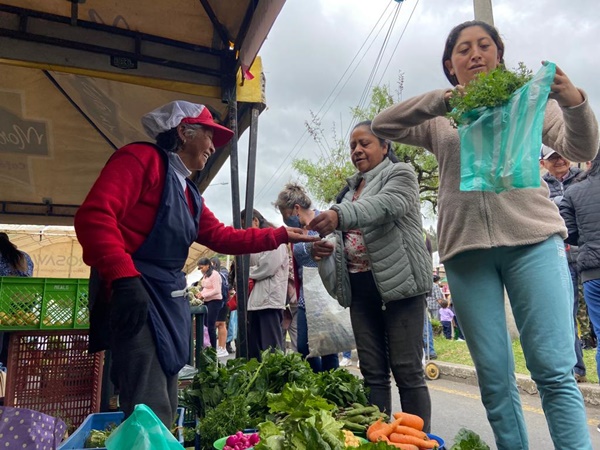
383	270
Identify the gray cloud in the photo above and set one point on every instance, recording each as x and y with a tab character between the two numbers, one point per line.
313	42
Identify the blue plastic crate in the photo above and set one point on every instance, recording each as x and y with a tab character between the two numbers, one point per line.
101	421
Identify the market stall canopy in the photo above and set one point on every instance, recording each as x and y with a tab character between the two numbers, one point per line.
77	75
56	253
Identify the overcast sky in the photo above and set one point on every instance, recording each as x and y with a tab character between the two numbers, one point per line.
313	42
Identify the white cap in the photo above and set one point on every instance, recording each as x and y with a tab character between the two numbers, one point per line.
172	114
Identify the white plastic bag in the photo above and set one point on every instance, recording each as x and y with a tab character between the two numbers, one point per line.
329	326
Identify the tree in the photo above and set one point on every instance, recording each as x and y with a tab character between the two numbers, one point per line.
326	177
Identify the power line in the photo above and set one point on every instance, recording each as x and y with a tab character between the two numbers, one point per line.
369	85
398	43
295	149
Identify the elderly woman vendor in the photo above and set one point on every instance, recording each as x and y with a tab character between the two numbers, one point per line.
136	226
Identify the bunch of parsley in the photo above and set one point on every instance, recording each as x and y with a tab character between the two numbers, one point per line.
487	90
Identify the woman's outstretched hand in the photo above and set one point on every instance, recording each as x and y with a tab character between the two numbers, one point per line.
564	91
299	235
325	223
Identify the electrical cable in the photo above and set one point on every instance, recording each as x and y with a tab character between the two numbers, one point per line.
293	152
368	85
398	43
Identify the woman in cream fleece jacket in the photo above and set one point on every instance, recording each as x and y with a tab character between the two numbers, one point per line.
514	239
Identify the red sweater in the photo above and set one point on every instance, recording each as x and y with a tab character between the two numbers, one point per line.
120	209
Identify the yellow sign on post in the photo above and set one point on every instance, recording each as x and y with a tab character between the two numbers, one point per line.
252	91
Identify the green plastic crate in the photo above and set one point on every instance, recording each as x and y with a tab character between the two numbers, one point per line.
43	303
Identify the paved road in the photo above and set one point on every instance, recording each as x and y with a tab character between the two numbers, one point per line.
457	405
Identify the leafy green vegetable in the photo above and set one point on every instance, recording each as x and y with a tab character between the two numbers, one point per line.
305	423
468	440
341	388
257	383
225	419
250	378
97	438
381	445
487	90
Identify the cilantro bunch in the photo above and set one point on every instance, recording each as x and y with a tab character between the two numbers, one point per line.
486	90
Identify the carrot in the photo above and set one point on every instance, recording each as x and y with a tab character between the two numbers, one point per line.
384	431
374	427
407	439
402	429
410	420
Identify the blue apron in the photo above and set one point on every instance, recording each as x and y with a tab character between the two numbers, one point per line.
160	260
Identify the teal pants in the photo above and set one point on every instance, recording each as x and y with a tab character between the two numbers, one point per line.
538	283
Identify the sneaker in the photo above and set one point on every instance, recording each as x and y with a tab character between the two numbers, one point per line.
433	356
345	362
229	348
460	340
222	353
358	364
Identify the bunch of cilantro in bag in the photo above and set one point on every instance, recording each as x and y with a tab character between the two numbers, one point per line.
486	90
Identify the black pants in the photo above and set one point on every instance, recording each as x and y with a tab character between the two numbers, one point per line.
264	331
390	339
139	377
213	308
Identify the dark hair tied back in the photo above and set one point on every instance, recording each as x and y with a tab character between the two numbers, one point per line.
453	38
390	152
169	140
206	262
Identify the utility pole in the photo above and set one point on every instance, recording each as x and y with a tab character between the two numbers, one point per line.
483	11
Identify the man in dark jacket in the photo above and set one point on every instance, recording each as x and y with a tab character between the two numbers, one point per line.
561	175
579	209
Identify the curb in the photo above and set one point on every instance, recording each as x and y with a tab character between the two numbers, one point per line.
467	374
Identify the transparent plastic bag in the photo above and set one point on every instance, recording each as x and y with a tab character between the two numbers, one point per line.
327	268
142	431
499	149
329	326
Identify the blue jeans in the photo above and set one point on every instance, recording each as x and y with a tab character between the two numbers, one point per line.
317	363
447	328
579	365
428	337
591	292
538	283
232	327
390	340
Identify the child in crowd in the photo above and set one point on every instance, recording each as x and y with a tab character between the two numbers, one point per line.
446	317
